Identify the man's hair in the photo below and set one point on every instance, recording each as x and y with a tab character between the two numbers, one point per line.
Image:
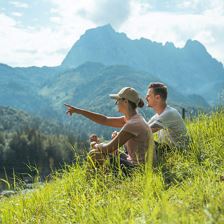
159	89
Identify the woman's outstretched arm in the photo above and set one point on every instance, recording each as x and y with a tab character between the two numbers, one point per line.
116	122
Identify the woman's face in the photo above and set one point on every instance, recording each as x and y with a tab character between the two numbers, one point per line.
121	105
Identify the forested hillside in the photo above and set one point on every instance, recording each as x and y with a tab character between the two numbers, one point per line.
27	142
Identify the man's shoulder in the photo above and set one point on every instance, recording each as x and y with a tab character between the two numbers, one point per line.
171	110
153	118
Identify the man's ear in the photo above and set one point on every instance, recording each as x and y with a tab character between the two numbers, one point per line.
157	97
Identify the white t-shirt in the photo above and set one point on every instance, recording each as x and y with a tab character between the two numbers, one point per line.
173	132
138	146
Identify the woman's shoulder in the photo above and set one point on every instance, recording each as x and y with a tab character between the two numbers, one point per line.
136	120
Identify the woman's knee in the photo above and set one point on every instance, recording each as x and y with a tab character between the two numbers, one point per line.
96	157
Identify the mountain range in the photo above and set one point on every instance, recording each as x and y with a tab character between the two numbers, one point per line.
190	70
101	62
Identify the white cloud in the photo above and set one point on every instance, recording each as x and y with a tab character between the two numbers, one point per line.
190	4
55	19
177	27
19	4
26	47
22	46
97	12
17	14
114	12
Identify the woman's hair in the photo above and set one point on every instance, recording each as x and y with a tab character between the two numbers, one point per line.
134	106
141	103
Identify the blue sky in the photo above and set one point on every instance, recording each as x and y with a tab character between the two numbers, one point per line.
40	32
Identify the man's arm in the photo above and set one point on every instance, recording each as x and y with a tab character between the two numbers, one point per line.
155	127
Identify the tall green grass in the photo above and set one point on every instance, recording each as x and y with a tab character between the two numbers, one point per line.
185	188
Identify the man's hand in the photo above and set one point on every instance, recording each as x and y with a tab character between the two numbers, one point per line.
155	127
70	109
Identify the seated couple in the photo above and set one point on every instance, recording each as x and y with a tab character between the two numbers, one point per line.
136	133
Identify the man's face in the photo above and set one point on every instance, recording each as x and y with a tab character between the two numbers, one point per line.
150	98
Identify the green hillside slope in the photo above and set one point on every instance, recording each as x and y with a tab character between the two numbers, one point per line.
185	189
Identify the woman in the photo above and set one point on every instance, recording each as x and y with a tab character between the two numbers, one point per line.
135	133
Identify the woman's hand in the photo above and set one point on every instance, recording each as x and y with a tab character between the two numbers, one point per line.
97	147
70	109
92	144
114	134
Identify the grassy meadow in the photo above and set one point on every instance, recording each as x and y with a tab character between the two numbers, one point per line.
185	188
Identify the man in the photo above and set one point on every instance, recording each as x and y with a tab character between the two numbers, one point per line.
167	121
